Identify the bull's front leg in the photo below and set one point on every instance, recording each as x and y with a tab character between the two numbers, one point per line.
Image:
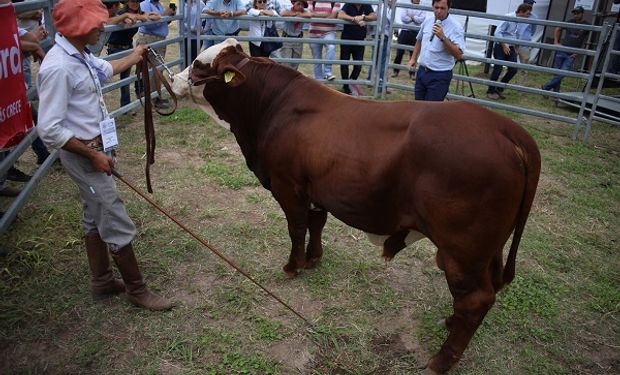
296	210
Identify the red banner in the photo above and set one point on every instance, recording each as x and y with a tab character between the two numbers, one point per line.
15	115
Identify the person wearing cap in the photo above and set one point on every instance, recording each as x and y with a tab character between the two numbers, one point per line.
506	51
73	116
440	43
574	37
294	29
525	32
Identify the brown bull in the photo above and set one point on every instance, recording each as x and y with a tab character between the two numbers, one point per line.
459	174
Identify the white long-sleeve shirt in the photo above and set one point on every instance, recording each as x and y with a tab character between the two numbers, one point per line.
69	99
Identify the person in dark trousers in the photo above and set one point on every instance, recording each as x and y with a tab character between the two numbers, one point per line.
408	37
440	42
357	15
122	40
573	37
506	51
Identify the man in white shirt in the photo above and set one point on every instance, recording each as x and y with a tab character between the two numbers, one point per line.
440	42
72	118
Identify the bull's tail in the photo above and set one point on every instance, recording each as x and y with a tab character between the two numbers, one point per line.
530	158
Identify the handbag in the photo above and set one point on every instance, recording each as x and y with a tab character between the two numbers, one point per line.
268	47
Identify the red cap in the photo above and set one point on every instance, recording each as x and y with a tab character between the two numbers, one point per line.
75	18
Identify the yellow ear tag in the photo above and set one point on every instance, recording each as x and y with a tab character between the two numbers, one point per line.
228	76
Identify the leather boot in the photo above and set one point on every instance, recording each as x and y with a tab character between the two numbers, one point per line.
137	292
103	282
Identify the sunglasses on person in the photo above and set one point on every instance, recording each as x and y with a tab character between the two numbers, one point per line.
260	1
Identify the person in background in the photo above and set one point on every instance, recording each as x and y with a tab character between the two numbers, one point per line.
357	15
148	34
292	29
223	26
257	28
113	7
413	17
505	51
324	31
73	115
122	40
33	33
439	44
573	37
382	56
29	44
525	32
193	25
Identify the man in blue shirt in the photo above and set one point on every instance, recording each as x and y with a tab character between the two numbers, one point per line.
148	34
505	51
440	42
526	31
224	26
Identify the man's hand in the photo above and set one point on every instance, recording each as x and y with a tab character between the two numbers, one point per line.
138	53
411	64
506	49
40	33
102	162
438	31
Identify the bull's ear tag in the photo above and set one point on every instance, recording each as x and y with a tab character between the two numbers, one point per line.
228	76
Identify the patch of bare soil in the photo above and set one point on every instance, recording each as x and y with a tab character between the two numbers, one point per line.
293	354
35	355
397	338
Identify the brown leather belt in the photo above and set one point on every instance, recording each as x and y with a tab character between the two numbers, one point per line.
95	143
119	46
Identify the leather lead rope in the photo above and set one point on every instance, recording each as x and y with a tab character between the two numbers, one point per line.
142	75
210	247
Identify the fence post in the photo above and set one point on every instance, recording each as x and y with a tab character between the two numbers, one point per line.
586	91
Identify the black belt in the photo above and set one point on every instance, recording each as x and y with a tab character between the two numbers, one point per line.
119	46
427	69
301	35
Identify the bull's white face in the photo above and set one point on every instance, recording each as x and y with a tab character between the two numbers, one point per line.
181	85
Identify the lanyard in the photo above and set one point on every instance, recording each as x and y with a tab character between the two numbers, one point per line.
94	77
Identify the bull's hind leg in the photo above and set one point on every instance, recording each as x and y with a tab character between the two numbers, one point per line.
316	222
472	288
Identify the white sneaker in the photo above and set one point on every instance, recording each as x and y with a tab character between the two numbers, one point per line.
329	77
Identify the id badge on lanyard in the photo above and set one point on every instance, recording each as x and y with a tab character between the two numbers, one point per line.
107	126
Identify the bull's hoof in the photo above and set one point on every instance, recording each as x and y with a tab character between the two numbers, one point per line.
442	323
428	371
290	272
312	263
